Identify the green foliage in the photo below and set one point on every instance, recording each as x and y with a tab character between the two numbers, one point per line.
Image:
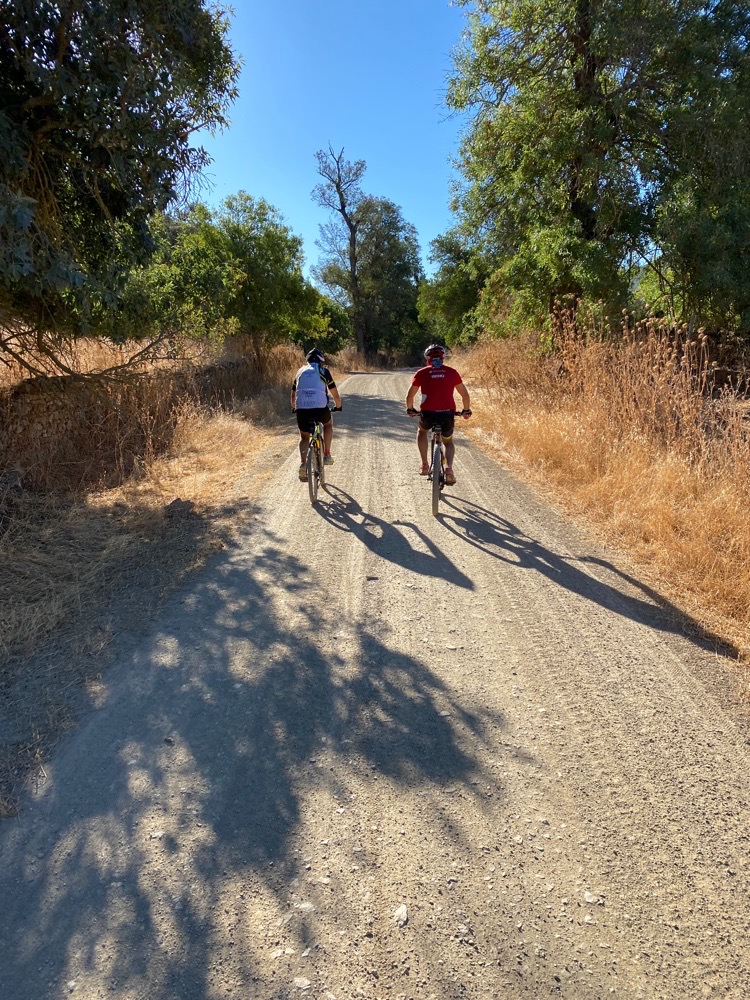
447	301
98	103
605	135
237	270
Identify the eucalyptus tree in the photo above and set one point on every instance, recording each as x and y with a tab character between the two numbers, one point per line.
391	271
99	107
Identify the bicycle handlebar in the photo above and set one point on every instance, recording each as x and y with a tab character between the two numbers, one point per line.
413	413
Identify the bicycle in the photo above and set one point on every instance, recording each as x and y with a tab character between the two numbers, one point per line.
436	471
315	464
436	474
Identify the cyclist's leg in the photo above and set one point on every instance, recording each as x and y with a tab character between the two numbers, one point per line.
304	444
327	432
422	443
450	450
305	426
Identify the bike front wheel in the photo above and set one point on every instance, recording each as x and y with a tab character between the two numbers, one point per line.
437	477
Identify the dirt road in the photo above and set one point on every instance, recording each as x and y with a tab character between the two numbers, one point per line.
371	753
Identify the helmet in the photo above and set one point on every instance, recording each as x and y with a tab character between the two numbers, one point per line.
434	351
315	357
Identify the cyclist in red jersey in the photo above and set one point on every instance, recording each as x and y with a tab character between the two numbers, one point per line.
438	383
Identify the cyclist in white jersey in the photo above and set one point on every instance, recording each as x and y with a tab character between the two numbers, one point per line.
310	389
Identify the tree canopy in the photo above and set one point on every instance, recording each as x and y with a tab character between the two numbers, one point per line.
99	104
607	136
235	270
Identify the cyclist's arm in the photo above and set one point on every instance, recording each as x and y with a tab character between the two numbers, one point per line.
294	399
413	390
464	394
335	393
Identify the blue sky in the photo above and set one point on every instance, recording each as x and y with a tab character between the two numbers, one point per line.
366	75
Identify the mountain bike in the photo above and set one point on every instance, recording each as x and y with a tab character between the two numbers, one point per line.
316	472
436	471
436	475
315	465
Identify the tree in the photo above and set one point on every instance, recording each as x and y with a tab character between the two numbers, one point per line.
98	106
702	221
371	259
237	270
341	193
447	301
390	273
575	160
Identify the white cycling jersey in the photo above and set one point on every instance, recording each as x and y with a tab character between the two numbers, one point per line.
311	387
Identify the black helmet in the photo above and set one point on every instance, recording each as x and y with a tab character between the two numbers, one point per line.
315	357
434	351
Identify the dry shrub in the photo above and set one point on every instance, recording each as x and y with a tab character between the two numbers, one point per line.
626	429
349	359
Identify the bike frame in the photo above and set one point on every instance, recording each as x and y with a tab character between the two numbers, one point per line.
315	465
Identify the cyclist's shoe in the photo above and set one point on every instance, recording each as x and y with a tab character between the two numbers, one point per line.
450	479
303	473
424	469
328	459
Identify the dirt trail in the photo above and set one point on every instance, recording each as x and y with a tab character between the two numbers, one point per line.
370	753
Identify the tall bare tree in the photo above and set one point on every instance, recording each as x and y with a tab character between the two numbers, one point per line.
340	192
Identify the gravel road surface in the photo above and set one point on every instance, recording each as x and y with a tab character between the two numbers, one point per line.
372	753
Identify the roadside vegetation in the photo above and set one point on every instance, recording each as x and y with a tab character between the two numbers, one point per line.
635	434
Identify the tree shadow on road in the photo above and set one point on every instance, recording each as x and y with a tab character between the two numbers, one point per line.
195	778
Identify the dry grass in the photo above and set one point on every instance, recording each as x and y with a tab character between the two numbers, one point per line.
70	564
625	433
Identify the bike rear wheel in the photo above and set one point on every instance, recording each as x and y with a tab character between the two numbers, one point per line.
312	469
437	479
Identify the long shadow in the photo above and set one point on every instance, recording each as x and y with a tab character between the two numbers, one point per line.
342	511
498	537
215	737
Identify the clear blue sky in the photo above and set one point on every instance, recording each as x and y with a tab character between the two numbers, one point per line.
366	75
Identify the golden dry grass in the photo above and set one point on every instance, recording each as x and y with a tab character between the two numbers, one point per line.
625	434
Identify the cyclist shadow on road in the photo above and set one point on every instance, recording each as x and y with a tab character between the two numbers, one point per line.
502	539
384	539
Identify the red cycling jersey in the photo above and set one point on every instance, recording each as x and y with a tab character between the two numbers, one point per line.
437	385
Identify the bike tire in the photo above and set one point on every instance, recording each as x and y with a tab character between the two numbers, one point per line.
437	475
321	465
312	481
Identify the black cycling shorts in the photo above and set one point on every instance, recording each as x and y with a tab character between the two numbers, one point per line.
446	419
307	419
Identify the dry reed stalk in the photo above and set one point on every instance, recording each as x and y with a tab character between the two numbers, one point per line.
625	432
